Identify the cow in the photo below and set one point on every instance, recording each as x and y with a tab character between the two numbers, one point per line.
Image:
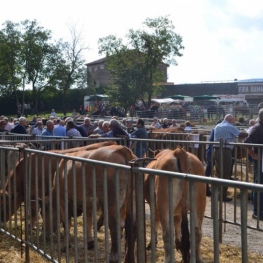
42	172
114	154
172	133
177	160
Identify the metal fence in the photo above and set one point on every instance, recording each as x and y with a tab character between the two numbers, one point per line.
36	174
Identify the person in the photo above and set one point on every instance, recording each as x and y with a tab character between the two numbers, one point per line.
165	123
9	125
53	113
209	159
106	127
87	126
77	127
188	127
174	124
99	129
156	124
130	128
38	130
71	130
140	133
20	127
2	126
115	131
49	130
227	132
256	137
60	129
251	123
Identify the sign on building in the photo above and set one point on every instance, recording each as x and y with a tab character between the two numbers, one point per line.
250	88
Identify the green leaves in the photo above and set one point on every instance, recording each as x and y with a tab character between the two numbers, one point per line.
137	66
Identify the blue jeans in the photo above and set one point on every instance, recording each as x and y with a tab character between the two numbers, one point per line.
140	152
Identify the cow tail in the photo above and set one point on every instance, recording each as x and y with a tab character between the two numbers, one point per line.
184	224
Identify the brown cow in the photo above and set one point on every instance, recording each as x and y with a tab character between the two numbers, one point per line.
113	154
177	160
173	133
39	180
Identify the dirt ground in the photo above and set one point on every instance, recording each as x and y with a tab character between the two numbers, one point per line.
232	234
229	251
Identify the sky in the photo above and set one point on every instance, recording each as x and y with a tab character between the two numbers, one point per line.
223	39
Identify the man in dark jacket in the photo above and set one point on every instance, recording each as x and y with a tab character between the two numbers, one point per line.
256	137
20	127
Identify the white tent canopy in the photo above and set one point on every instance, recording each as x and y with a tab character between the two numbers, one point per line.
165	101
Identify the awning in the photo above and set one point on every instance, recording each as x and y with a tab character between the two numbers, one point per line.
165	101
205	97
97	97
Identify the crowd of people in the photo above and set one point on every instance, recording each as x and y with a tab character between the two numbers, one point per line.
225	130
67	127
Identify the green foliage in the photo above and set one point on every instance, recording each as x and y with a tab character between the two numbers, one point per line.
136	67
30	58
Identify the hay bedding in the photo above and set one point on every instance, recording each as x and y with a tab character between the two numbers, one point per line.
10	250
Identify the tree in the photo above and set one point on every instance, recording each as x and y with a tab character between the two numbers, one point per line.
70	66
10	59
135	67
39	56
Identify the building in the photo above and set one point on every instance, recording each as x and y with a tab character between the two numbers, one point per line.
251	89
100	75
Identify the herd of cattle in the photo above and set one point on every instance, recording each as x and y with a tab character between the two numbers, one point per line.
63	188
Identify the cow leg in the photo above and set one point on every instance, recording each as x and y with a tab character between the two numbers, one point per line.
100	221
89	230
177	232
34	213
114	238
198	237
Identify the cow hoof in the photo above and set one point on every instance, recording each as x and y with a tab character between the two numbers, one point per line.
90	245
149	247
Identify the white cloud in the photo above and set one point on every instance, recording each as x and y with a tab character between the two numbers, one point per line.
223	39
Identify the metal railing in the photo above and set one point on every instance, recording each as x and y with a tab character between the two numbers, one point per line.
38	173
